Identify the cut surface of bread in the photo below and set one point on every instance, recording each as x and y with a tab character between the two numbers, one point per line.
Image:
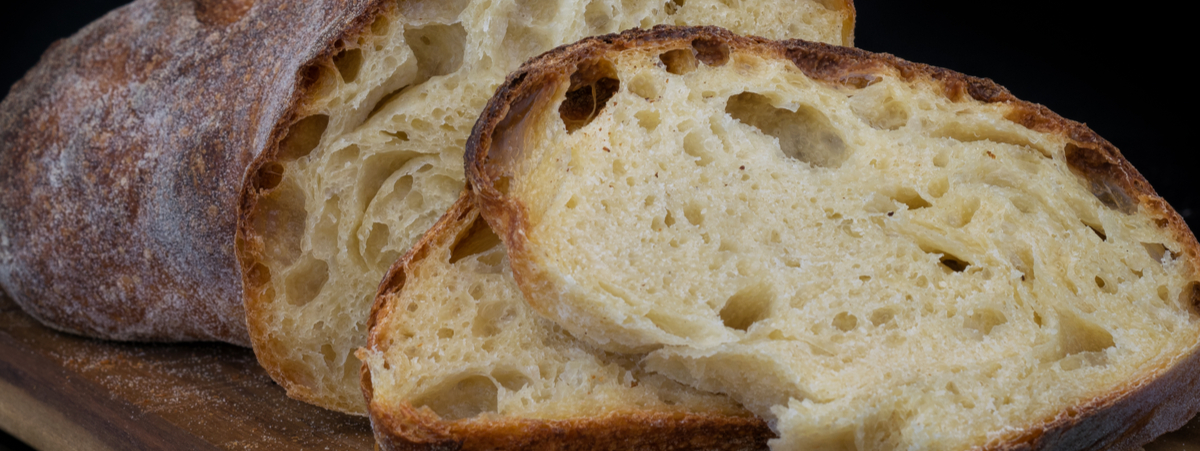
871	253
374	157
455	356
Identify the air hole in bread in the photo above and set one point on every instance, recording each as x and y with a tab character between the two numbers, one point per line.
1077	335
592	84
695	145
983	320
511	379
805	134
645	86
305	281
673	6
910	198
465	398
1100	283
478	239
942	159
259	276
881	114
1189	298
280	222
381	25
1097	229
348	63
1101	177
343	157
445	333
883	316
711	52
384	101
399	135
269	176
679	61
303	137
748	306
648	119
694	213
1156	251
939	186
376	171
327	354
954	263
845	322
969	133
598	17
438	48
377	240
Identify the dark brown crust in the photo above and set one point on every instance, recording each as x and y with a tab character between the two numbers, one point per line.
123	155
1130	416
403	427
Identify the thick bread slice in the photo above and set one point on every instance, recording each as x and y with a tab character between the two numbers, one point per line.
874	254
373	157
456	359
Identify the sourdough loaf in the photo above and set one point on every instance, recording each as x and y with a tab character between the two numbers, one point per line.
373	156
868	252
456	358
122	156
331	130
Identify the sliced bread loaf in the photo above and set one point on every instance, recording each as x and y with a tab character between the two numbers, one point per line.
457	360
373	156
871	253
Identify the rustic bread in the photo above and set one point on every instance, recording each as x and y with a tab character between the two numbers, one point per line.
122	156
456	358
132	150
868	252
374	156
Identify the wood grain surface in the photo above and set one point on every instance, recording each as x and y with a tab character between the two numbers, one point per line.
62	392
59	391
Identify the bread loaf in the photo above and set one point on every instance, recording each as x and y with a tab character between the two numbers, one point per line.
456	359
869	253
373	156
122	156
332	131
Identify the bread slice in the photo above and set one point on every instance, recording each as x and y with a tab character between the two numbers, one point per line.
457	359
870	253
373	156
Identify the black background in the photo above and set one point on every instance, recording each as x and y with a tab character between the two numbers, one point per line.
1121	69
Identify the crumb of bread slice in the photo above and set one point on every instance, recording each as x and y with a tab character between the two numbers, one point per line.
374	157
456	356
872	253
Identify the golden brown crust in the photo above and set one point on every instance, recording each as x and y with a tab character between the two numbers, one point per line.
1132	415
124	152
403	427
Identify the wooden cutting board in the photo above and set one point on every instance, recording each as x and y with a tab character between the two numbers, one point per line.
62	392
